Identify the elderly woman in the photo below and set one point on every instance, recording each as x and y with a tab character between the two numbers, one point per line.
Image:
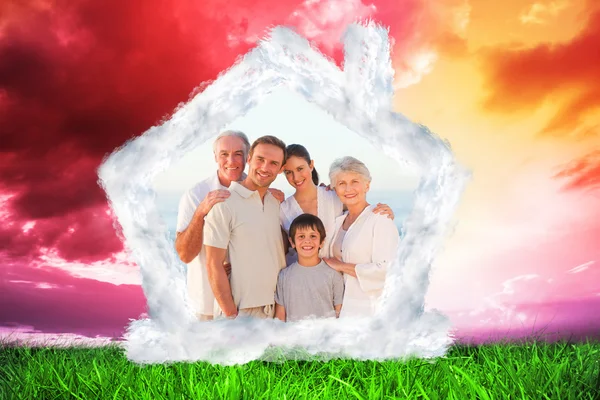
300	172
364	243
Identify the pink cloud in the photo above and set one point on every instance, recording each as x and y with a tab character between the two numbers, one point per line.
66	304
549	321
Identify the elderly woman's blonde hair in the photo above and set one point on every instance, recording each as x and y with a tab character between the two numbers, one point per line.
348	164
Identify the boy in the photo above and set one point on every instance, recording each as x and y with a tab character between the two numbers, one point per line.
308	287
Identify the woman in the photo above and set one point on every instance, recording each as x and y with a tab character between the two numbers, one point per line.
310	198
363	244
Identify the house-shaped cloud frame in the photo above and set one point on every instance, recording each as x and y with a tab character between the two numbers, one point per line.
359	97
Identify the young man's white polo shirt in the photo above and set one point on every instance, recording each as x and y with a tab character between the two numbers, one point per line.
251	232
200	293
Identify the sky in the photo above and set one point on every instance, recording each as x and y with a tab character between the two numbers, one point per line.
513	87
293	120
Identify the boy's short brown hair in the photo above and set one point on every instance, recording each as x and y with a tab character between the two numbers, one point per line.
304	221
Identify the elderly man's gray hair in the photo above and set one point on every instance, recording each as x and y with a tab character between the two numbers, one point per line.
239	134
348	164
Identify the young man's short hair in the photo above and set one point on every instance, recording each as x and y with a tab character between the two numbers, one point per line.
272	140
304	221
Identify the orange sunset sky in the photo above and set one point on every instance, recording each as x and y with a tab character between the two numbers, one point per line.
517	93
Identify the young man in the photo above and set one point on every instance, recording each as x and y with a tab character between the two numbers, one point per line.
309	287
231	151
247	225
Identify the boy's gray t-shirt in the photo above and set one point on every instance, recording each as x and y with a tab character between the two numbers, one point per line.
309	291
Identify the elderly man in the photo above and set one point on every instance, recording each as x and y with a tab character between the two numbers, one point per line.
231	150
247	225
364	244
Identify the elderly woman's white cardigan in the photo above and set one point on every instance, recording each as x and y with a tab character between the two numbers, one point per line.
371	243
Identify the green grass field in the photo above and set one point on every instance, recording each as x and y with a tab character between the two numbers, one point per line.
501	371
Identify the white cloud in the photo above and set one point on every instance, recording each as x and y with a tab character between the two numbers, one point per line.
359	97
5	213
505	225
415	56
461	18
580	268
119	271
323	21
500	306
414	66
29	336
46	285
508	286
28	226
326	20
541	12
21	282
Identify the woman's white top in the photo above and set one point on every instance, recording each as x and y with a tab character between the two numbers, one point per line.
329	207
336	248
371	243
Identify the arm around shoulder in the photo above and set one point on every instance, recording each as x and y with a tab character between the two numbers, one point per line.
190	219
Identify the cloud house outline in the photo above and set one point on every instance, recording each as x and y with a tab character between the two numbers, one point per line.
359	97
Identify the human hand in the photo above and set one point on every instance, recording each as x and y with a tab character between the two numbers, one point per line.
227	267
384	209
278	194
334	263
229	312
212	198
327	188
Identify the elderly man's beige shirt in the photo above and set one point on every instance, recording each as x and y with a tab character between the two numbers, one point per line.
251	232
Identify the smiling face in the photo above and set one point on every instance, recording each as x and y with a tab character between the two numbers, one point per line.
307	242
351	188
229	155
265	164
298	172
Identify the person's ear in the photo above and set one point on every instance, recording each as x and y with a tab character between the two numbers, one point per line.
292	243
312	165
